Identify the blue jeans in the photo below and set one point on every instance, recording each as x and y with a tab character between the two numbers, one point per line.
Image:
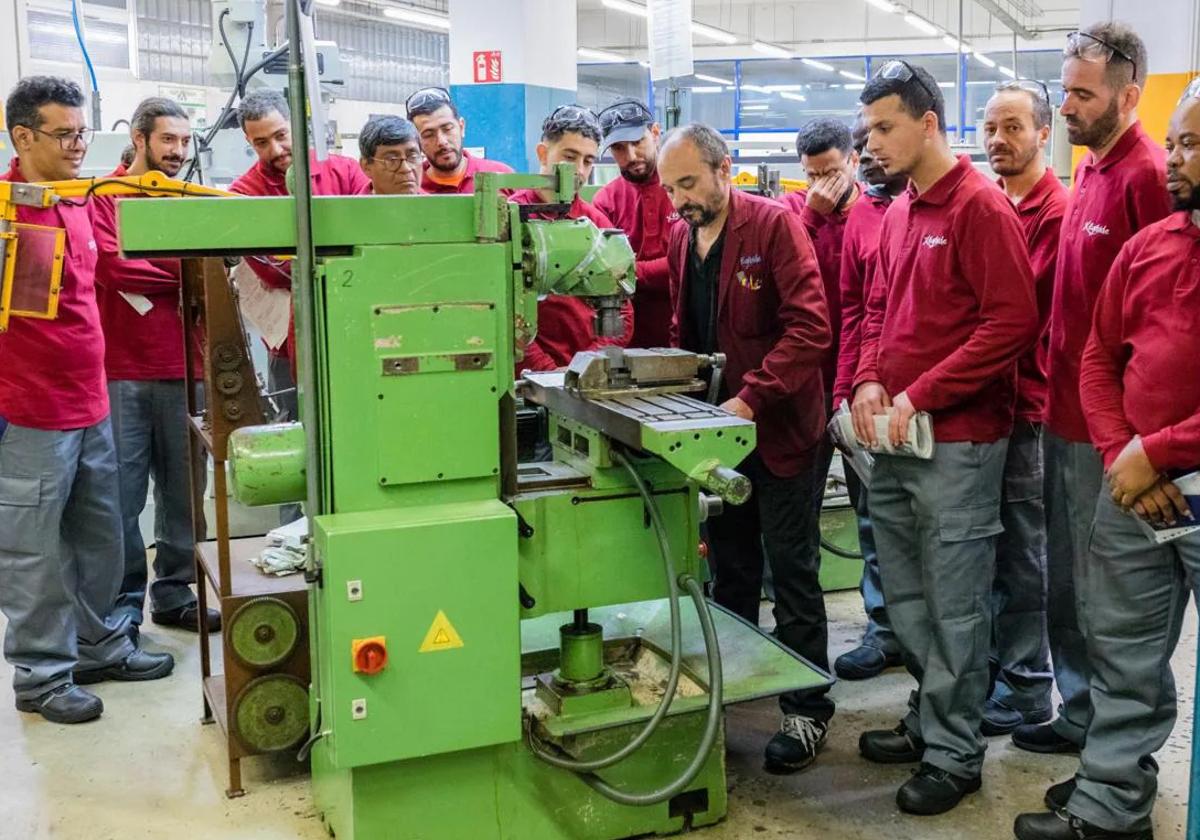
879	634
60	554
150	428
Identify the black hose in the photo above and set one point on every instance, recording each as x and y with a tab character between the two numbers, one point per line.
840	552
239	88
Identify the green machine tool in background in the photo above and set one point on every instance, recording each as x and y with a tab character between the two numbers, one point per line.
499	649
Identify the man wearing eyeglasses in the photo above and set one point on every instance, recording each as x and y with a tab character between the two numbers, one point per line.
449	168
391	156
144	360
61	553
1140	380
1119	189
638	205
566	324
266	122
745	282
950	312
1016	128
878	649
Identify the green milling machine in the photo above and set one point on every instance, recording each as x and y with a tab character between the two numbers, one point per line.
499	649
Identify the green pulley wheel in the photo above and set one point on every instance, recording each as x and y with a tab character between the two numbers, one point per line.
263	632
271	713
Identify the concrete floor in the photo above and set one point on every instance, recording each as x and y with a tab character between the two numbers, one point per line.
148	770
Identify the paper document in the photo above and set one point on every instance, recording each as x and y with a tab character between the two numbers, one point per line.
1189	486
920	434
268	309
140	303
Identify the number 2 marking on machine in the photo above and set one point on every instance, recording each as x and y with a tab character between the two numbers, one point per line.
441	636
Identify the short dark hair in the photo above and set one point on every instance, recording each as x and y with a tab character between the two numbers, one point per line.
712	146
258	104
1122	36
427	108
385	130
32	92
149	110
918	95
128	154
1043	114
820	135
554	127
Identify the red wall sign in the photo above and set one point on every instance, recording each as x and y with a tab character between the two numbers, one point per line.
487	66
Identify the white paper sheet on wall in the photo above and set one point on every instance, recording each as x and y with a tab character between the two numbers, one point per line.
268	309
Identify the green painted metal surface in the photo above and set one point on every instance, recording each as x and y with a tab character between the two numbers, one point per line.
268	464
839	527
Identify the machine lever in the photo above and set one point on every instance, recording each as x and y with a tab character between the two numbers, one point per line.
714	382
527	601
524	529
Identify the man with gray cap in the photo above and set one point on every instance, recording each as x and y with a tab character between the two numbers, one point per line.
637	204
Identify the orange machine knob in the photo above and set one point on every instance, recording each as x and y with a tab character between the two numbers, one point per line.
369	656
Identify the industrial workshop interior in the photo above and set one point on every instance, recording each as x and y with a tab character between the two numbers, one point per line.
596	419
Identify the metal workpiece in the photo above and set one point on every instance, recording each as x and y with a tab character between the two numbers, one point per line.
611	371
268	464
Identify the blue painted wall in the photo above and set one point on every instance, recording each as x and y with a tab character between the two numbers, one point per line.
506	119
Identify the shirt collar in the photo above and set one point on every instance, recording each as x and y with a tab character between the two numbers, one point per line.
1182	221
1132	136
14	171
941	191
1037	195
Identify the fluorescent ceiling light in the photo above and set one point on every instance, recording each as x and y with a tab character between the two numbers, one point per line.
628	8
756	107
1008	72
756	88
950	41
855	86
427	19
884	5
946	85
819	65
920	24
770	49
601	55
984	60
713	33
716	80
706	89
329	2
645	64
855	76
780	88
797	97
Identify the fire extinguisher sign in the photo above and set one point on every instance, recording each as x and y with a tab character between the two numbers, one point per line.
488	67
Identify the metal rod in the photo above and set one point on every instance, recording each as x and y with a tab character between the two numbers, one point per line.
581	620
1193	810
1014	56
958	85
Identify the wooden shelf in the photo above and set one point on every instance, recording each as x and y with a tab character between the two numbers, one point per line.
246	579
196	422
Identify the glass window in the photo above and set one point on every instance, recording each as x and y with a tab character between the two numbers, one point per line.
706	96
943	68
784	94
1045	66
601	84
52	36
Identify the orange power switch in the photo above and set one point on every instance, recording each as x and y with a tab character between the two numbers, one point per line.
369	656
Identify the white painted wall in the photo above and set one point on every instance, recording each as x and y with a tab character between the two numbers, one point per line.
537	39
1170	28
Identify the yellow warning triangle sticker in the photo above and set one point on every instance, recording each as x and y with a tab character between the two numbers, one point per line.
441	636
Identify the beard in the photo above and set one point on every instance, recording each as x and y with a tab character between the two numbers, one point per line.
434	162
167	165
697	215
1020	162
639	172
1099	132
1189	202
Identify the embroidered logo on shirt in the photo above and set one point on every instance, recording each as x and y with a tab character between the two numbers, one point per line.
930	241
749	281
753	259
91	244
1093	229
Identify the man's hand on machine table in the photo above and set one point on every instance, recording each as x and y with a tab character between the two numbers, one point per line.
870	399
739	407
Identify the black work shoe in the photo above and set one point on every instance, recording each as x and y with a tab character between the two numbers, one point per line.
1041	738
1057	796
135	667
999	719
796	744
1063	826
65	704
187	617
891	746
932	790
864	662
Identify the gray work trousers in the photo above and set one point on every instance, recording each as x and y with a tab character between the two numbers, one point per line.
936	524
149	421
1020	649
1074	475
60	554
1136	594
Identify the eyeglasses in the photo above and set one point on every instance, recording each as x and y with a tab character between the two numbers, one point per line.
392	163
1090	48
902	71
571	114
429	98
69	140
627	112
1192	91
1033	86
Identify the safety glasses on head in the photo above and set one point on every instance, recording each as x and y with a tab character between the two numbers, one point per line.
1033	86
627	112
902	71
573	113
1192	91
1090	48
426	99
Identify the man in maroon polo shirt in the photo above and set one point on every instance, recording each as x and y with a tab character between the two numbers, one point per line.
1119	189
449	168
1016	129
144	360
1140	382
566	324
950	312
638	205
745	282
878	649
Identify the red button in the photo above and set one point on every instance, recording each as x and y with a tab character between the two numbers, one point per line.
370	656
